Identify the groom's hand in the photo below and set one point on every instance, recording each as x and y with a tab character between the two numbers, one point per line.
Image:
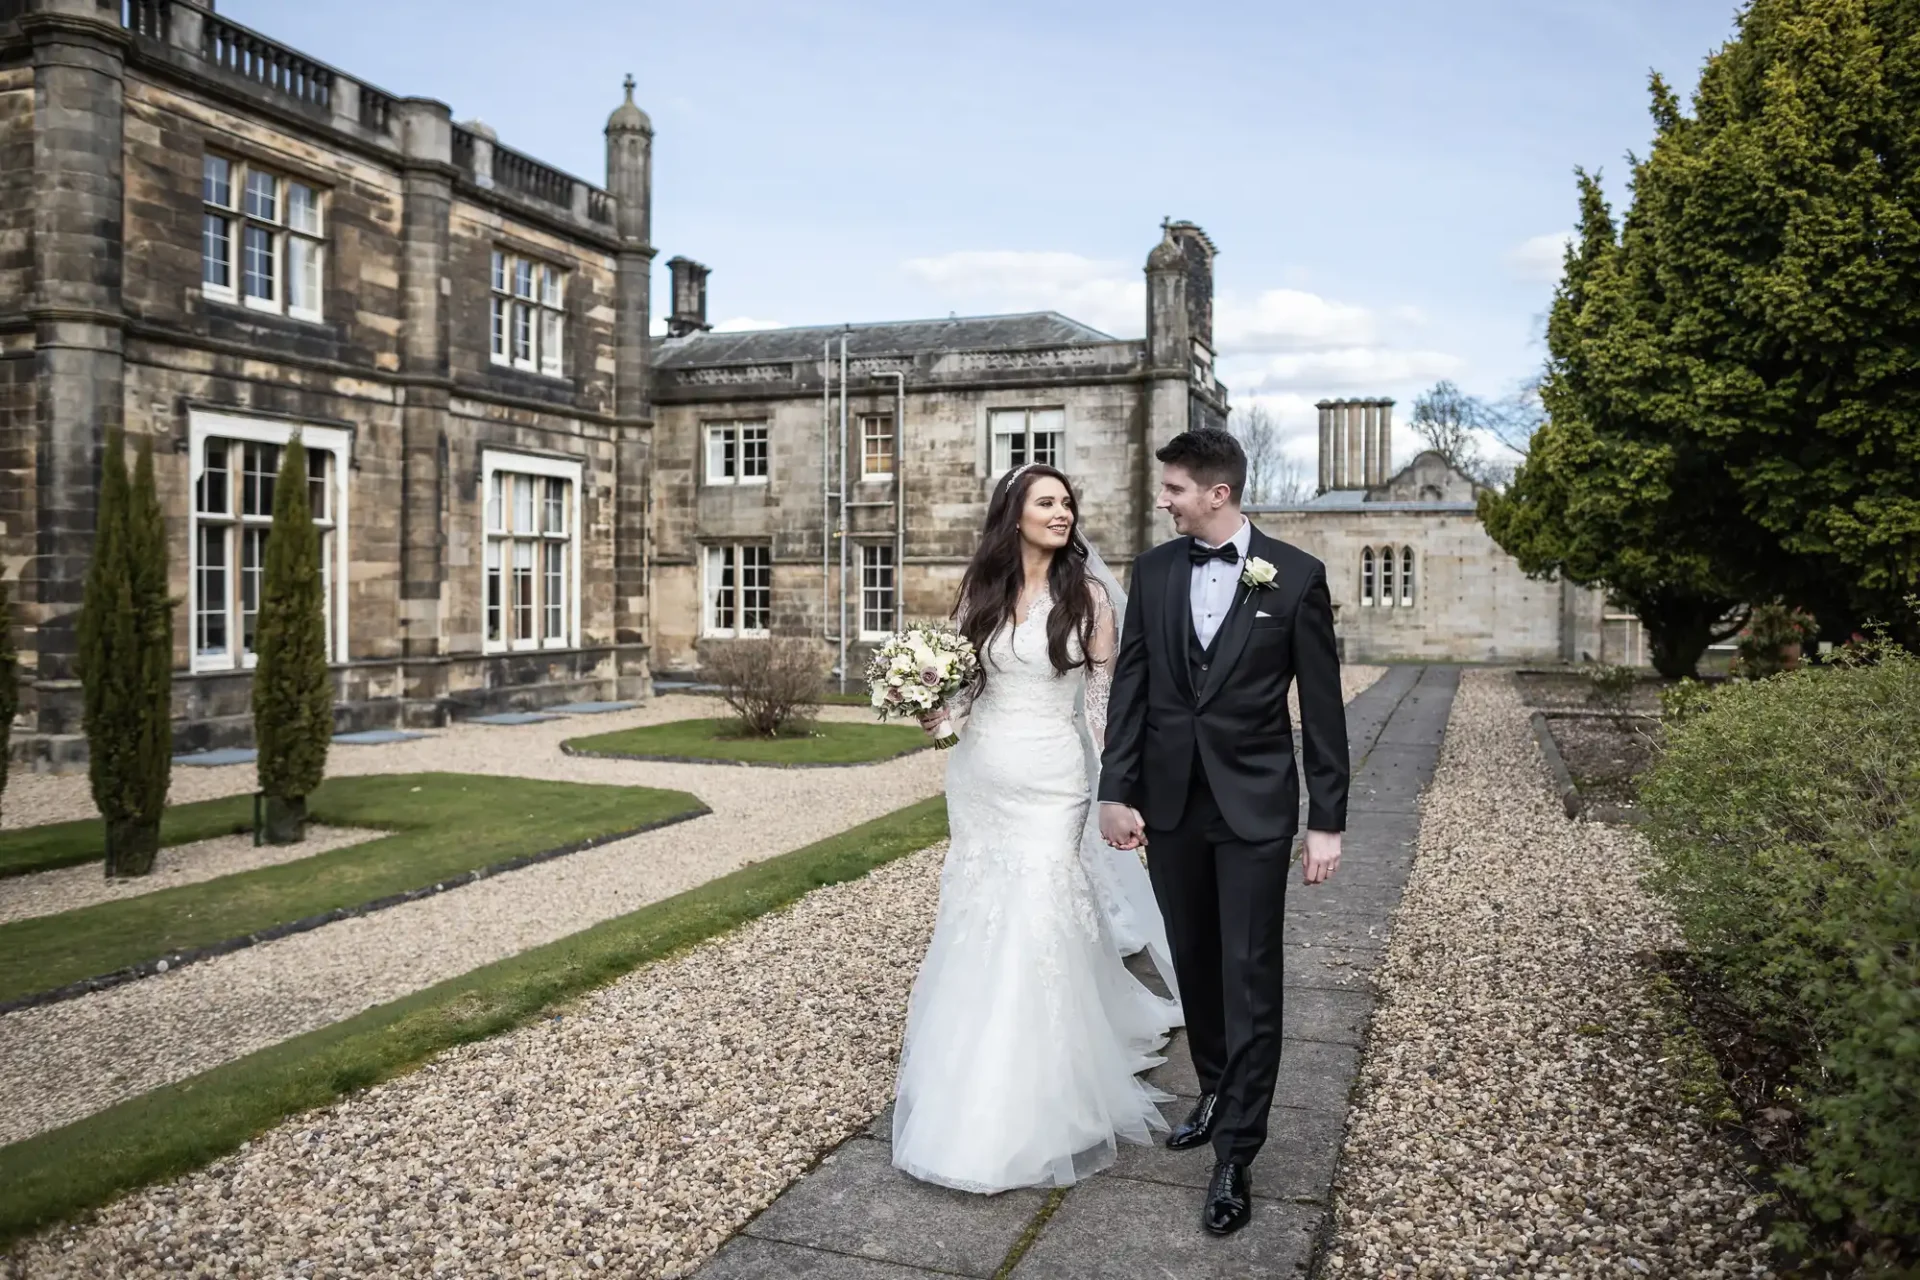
1121	826
1323	856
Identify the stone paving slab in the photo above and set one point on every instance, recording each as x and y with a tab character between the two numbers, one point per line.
214	759
857	1203
377	737
1141	1218
1125	1229
749	1258
1297	1163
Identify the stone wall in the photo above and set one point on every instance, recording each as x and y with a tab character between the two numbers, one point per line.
948	483
398	360
1471	601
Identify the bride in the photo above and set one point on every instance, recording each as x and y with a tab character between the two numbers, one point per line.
1026	1032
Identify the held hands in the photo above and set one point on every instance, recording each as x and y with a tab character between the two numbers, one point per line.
1122	826
1323	855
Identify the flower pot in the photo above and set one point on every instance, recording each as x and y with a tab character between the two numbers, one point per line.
1790	656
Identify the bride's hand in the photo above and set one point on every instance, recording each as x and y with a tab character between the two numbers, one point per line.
932	720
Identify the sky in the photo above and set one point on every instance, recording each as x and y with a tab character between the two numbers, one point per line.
1388	181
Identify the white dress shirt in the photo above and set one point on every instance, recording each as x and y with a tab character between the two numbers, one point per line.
1214	584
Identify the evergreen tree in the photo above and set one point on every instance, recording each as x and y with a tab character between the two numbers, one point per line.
292	688
1609	496
1779	228
9	682
125	659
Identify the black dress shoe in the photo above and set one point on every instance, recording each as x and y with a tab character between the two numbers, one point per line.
1229	1199
1197	1127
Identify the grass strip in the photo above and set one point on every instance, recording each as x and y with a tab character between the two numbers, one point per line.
26	850
826	742
440	825
183	1126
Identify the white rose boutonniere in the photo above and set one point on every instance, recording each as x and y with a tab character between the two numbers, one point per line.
1258	574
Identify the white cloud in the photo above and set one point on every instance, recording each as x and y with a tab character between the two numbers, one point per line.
1105	294
1541	257
1284	347
738	324
1288	320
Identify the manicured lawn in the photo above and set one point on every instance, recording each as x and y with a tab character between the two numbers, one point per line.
441	825
183	1126
824	742
68	844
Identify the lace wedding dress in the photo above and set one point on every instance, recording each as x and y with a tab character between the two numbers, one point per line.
1026	1032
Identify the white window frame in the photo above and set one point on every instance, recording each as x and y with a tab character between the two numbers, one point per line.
872	554
203	426
537	466
876	427
281	234
543	305
1019	422
732	555
1367	580
1406	577
718	437
1389	576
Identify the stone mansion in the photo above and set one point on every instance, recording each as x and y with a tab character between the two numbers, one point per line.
219	243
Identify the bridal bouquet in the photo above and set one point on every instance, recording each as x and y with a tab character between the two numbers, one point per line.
920	670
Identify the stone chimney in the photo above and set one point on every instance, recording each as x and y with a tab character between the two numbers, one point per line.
689	313
1356	443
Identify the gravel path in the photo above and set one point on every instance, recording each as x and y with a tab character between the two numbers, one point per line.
1520	1110
633	1134
629	1136
63	1061
69	888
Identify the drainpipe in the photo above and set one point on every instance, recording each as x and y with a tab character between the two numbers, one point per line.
899	494
843	511
826	490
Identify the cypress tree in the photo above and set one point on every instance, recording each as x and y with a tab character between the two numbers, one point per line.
125	659
9	683
292	689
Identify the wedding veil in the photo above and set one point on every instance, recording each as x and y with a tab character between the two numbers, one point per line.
1120	882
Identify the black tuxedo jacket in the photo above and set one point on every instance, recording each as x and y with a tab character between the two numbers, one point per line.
1235	724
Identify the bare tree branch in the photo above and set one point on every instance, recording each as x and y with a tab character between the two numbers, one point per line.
1272	475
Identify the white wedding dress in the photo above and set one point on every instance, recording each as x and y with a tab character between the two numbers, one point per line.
1026	1032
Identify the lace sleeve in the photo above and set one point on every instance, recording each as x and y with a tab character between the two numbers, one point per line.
962	701
1100	654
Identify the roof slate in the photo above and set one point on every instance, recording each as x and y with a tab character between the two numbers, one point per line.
895	337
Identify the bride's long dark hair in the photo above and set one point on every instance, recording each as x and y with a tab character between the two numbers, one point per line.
990	591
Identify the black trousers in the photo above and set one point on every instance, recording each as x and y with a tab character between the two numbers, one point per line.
1224	901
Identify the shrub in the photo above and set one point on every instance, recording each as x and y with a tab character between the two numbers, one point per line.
1769	628
772	685
126	659
9	683
292	689
1783	816
1611	686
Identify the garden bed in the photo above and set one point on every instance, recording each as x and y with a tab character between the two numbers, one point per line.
446	830
822	743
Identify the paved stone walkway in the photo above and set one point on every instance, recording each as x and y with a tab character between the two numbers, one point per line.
856	1218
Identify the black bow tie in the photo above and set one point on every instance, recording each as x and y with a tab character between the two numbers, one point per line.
1201	554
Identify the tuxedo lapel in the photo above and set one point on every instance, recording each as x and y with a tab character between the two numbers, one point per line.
1179	619
1235	628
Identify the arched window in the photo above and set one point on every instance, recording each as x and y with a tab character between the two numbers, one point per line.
1366	575
1406	575
1386	576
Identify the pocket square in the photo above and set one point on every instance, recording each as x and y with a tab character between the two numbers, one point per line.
1261	613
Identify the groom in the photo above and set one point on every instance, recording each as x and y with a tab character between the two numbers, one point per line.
1199	768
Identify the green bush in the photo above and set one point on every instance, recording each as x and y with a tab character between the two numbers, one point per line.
1783	815
292	688
126	661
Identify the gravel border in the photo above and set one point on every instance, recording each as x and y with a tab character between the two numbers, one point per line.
569	749
181	959
64	1061
1523	1105
631	1134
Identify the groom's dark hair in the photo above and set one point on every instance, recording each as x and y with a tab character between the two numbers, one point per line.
1209	455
